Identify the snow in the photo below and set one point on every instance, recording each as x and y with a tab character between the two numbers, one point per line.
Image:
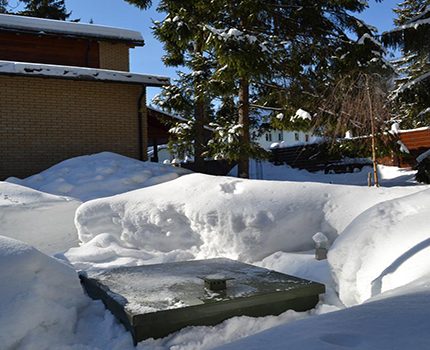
423	128
202	216
395	128
39	219
82	73
301	114
369	37
395	321
377	260
40	298
383	248
413	25
410	84
43	26
389	176
99	175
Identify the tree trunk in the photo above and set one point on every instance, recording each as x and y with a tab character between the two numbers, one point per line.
373	130
199	111
243	164
199	138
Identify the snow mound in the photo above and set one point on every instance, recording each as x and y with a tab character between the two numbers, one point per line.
204	216
40	297
99	175
395	321
386	247
39	219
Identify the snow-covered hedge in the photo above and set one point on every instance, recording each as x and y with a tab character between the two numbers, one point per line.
385	247
208	216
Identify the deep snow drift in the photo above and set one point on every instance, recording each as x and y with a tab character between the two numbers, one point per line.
397	320
379	238
385	247
99	175
201	216
39	299
42	220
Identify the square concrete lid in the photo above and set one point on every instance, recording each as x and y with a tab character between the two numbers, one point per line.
152	288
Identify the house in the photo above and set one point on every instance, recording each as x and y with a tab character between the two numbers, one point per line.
66	90
284	138
413	143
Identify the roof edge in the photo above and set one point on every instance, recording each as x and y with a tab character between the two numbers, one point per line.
80	73
43	26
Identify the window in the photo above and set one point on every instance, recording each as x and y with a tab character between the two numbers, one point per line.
296	136
281	137
307	138
269	137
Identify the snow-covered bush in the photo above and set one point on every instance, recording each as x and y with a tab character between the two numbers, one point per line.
207	216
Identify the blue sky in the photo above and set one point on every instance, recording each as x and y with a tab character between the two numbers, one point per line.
118	13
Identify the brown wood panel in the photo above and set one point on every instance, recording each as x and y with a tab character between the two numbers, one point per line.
415	140
49	50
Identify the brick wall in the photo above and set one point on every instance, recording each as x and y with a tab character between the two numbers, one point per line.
114	56
44	121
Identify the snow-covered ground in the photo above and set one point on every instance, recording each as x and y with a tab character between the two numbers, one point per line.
376	267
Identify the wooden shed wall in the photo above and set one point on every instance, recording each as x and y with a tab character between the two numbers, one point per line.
49	50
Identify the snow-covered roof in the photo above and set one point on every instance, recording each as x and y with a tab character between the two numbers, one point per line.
174	116
49	26
424	128
79	73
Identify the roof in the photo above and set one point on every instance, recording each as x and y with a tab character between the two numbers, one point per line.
49	26
174	116
79	73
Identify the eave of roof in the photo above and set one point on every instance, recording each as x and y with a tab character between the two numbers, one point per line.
80	73
43	26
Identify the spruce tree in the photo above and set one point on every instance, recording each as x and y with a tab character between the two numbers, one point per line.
51	9
3	6
412	91
184	37
253	49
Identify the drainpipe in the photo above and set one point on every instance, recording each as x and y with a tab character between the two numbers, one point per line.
142	124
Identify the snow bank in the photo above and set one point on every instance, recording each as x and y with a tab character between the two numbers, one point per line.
40	297
395	321
39	219
385	247
204	216
99	175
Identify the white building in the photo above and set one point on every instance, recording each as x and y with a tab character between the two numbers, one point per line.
283	138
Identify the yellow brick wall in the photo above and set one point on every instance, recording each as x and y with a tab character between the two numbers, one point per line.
44	121
114	56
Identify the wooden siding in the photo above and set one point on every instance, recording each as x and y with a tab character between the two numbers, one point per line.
416	139
49	50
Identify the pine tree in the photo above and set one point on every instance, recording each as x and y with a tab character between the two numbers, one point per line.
52	9
184	38
141	4
253	50
412	92
3	6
